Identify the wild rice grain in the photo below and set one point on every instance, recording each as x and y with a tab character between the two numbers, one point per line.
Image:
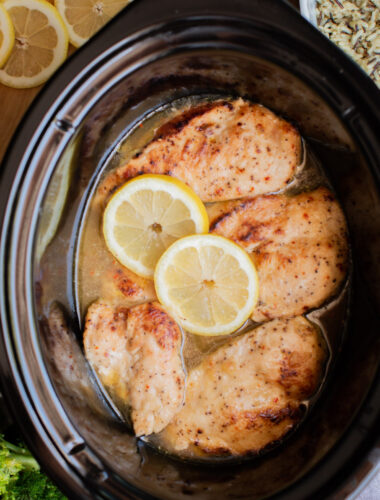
354	25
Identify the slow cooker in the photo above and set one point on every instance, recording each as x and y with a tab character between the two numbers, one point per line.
152	53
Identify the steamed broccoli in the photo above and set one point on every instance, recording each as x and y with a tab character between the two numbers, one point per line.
20	476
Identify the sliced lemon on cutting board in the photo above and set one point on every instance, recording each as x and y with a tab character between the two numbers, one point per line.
208	283
83	18
40	46
7	36
146	215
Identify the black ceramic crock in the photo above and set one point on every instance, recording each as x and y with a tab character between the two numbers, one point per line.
152	53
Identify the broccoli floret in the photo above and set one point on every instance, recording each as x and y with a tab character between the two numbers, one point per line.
33	485
20	476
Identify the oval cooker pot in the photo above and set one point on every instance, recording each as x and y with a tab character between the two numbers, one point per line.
152	53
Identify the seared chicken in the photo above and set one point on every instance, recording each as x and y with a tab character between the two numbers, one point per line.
120	285
248	393
223	150
299	245
136	355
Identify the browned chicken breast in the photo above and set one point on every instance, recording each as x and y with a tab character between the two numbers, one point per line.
222	150
299	245
247	394
136	355
120	285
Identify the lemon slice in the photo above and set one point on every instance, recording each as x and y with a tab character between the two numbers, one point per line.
7	35
146	215
83	18
208	283
55	200
41	43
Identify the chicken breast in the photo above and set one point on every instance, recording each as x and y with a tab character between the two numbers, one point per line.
120	285
248	393
223	150
298	244
136	355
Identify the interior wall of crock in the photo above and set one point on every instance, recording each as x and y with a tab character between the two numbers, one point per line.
183	74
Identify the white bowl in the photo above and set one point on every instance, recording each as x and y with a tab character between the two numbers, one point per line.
308	9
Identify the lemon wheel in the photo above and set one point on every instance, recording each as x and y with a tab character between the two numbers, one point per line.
146	215
83	18
41	43
208	283
7	36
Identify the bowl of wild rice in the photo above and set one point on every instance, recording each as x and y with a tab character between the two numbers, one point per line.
354	25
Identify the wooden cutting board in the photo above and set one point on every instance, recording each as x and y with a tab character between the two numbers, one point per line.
13	104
